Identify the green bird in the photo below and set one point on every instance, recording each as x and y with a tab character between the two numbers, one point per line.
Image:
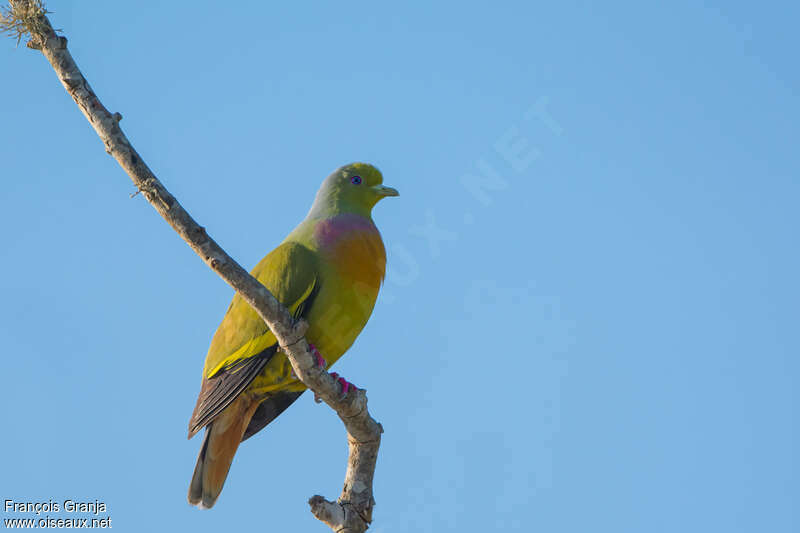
328	271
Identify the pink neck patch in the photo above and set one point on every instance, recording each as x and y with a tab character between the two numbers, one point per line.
330	231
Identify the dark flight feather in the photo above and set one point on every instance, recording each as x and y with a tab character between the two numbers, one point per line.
217	392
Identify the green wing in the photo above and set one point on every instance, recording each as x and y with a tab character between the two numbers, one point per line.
290	273
243	344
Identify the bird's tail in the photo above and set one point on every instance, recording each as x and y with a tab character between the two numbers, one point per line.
220	443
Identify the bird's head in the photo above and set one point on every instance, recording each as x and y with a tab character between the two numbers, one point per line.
353	188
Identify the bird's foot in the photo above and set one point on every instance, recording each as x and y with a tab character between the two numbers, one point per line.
321	362
346	385
318	359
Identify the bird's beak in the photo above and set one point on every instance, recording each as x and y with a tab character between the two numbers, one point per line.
382	191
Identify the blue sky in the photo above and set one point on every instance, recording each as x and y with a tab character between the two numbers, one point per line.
590	312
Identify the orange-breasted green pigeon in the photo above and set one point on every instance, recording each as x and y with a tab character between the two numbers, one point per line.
327	271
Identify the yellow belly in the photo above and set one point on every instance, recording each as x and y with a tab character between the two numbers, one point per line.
335	321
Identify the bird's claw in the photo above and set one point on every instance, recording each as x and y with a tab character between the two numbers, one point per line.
318	360
346	385
321	362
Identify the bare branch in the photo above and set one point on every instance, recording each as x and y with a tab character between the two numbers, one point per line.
353	510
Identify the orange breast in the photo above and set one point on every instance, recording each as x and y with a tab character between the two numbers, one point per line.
361	259
354	249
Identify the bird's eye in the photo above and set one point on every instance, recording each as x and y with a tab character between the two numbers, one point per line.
355	180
